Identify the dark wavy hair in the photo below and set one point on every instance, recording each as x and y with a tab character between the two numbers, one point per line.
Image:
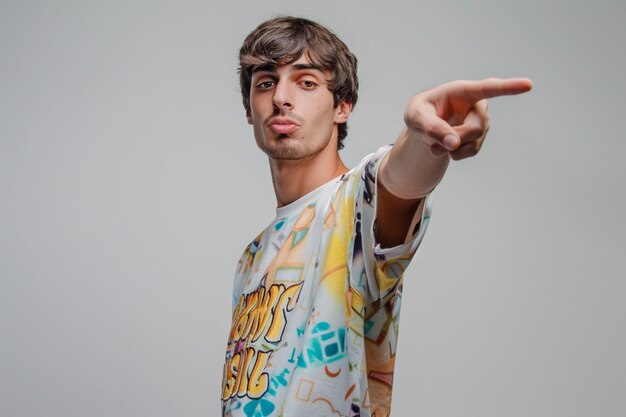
283	40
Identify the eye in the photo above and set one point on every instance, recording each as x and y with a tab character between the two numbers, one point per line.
308	84
264	85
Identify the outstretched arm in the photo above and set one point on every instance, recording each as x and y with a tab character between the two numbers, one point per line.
447	122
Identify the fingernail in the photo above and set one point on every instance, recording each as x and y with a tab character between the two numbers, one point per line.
451	142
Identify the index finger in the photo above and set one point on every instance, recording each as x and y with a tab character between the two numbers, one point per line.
495	87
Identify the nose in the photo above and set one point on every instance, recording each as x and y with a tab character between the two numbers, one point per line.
282	96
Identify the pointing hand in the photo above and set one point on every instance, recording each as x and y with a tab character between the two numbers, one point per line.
453	117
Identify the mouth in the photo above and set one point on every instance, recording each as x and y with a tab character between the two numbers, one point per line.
283	129
283	126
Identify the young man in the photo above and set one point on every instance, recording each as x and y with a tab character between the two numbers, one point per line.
317	293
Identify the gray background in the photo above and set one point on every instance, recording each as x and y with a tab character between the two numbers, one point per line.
130	183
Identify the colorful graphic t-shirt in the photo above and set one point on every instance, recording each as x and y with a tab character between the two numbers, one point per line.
315	307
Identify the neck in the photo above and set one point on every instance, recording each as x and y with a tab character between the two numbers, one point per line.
293	179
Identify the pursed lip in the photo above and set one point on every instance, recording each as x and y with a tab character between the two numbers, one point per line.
282	125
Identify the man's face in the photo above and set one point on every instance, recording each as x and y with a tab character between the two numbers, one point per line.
291	109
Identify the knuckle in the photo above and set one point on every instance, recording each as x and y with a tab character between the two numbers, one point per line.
477	130
415	117
457	156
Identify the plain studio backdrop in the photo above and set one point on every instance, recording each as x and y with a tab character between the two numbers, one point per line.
130	183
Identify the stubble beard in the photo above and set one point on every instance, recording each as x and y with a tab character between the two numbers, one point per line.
291	149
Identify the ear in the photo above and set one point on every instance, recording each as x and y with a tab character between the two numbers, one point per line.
249	117
343	111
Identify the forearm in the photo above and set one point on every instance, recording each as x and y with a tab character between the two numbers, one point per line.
411	169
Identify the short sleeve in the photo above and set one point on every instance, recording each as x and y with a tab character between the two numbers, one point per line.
382	268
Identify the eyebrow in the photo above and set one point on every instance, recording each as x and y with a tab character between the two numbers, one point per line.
264	68
300	67
294	67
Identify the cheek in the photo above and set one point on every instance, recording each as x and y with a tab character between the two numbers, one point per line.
258	130
258	105
325	113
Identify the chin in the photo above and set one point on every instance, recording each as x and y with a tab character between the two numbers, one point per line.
291	151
